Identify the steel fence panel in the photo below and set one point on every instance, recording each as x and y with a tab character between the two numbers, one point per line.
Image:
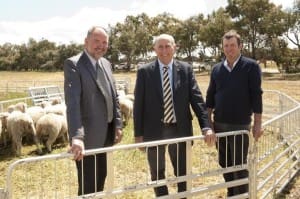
272	162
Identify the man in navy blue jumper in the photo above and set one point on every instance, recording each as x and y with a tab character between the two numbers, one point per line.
233	95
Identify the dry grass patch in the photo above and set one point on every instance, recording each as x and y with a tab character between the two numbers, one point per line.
125	161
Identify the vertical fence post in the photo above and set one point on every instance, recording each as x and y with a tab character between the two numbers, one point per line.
110	172
252	161
6	89
281	110
189	165
2	194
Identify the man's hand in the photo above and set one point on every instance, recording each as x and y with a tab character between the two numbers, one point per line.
118	136
210	137
77	148
257	131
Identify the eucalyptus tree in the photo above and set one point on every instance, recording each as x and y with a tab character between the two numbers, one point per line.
165	23
144	35
132	38
293	23
35	54
45	53
187	35
63	52
8	55
212	31
112	52
27	56
273	42
251	19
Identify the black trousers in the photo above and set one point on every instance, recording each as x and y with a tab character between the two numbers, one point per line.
92	170
156	160
233	150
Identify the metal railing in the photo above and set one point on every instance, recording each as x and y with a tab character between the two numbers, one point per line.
28	100
22	86
272	163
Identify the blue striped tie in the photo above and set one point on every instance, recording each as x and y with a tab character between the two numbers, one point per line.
168	102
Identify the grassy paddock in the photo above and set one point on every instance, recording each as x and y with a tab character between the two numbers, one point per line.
291	88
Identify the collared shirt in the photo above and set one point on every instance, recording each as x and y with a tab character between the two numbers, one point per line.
234	63
170	71
93	61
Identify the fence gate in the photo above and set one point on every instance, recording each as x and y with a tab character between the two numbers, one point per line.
272	162
45	93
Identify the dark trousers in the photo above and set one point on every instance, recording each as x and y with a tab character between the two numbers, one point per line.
92	170
156	160
233	150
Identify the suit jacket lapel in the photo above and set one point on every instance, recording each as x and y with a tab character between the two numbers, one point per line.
176	76
157	79
109	77
91	69
89	66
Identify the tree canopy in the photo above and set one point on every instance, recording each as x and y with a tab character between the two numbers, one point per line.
266	30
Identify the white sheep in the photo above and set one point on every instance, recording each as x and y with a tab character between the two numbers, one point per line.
121	93
55	101
126	107
18	125
20	106
52	126
3	130
44	104
130	97
59	109
36	112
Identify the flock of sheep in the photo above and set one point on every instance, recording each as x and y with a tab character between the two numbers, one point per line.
33	124
44	124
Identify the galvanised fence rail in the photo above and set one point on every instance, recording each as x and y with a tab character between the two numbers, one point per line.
272	162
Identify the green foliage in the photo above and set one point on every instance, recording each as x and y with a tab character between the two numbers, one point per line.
35	56
265	29
257	21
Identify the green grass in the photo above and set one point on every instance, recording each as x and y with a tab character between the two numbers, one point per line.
12	95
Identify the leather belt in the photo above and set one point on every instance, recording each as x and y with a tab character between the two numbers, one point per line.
169	124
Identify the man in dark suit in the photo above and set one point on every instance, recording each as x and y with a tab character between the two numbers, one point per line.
233	95
154	120
93	113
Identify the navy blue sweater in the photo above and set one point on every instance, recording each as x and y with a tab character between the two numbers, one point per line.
235	95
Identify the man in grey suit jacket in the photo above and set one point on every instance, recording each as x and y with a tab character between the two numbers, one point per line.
93	113
149	112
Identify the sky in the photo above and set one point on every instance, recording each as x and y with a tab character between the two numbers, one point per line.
65	21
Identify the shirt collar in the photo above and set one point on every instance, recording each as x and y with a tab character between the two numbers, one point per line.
161	65
92	60
234	63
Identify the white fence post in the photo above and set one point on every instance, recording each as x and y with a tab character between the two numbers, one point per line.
110	172
252	168
189	165
2	193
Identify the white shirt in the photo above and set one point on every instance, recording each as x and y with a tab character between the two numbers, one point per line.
234	63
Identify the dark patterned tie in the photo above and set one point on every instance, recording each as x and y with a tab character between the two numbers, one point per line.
104	84
168	102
